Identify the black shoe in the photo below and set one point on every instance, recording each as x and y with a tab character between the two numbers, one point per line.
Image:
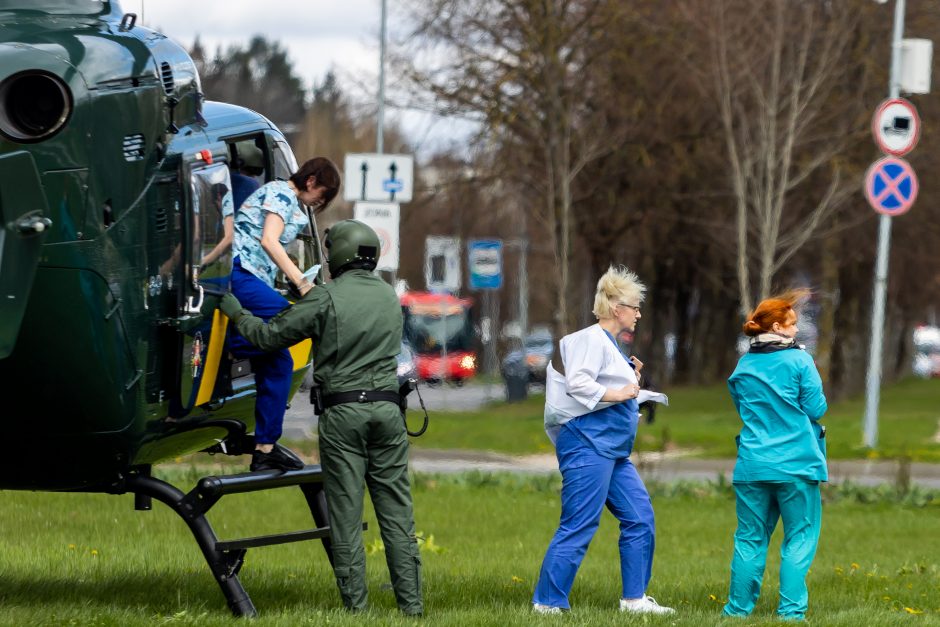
279	458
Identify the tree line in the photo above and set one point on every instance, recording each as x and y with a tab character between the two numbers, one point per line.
716	147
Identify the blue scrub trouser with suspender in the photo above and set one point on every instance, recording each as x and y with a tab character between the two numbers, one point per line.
589	482
759	506
272	370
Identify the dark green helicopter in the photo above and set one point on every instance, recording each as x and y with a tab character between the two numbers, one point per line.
112	351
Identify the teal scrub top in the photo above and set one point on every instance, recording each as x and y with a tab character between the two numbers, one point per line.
779	398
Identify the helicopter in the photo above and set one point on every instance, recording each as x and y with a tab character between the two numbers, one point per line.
113	172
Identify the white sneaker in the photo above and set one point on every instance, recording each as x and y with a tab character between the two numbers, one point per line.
646	605
538	608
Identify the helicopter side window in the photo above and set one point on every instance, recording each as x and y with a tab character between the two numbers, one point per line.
284	162
212	204
248	171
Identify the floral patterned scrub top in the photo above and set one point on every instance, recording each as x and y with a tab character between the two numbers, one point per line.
274	197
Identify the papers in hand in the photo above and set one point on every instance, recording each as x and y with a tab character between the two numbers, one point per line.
312	273
656	397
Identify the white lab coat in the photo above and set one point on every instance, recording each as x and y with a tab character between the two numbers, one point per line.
592	365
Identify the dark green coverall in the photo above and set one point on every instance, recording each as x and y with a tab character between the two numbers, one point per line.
355	323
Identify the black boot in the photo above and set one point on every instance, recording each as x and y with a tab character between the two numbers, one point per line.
280	458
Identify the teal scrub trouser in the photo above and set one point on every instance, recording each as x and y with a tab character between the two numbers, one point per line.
759	506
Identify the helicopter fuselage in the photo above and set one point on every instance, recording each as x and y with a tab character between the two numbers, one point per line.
112	351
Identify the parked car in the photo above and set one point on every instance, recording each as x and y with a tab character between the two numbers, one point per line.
927	351
538	348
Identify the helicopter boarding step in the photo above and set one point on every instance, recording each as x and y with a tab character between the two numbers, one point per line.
225	558
213	488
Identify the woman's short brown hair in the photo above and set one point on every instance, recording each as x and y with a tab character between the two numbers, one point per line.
326	175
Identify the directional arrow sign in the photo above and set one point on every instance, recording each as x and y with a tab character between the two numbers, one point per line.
891	186
378	177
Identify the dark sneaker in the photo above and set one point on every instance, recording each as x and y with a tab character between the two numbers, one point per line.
279	458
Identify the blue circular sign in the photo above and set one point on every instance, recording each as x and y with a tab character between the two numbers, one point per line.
891	186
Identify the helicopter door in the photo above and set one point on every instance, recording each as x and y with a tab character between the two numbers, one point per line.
22	230
207	270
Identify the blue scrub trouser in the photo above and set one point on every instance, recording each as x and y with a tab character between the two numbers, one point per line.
272	370
759	506
589	482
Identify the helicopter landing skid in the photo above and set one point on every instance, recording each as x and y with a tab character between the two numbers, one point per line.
225	559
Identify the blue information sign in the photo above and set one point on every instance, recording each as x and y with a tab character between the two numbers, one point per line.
392	185
485	264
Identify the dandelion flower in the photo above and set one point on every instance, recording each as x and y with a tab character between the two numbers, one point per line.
71	547
911	610
94	552
855	566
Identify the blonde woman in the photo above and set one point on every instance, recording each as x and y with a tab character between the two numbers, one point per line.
593	425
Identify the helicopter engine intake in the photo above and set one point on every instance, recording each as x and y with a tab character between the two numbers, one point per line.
34	106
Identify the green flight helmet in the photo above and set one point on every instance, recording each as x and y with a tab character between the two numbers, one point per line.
351	241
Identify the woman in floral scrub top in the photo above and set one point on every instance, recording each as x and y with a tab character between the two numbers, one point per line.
267	221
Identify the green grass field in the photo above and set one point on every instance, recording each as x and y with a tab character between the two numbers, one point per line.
703	419
68	559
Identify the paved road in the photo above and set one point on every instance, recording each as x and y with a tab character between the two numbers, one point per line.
656	466
300	423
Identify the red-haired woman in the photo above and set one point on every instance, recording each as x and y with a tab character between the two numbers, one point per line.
781	457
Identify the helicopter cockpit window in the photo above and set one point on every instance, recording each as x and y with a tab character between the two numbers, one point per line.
284	162
65	7
212	203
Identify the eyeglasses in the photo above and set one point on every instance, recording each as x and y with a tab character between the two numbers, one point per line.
635	308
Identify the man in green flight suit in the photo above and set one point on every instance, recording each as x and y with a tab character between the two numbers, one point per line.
355	323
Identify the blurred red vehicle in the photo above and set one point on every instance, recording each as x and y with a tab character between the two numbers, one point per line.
439	330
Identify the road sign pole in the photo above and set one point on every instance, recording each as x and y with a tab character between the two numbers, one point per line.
873	387
873	384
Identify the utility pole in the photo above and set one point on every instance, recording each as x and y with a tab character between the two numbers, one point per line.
379	130
380	119
873	384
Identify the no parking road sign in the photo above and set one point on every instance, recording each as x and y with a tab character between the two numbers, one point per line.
891	186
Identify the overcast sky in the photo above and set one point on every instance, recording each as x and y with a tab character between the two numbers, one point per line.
319	35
